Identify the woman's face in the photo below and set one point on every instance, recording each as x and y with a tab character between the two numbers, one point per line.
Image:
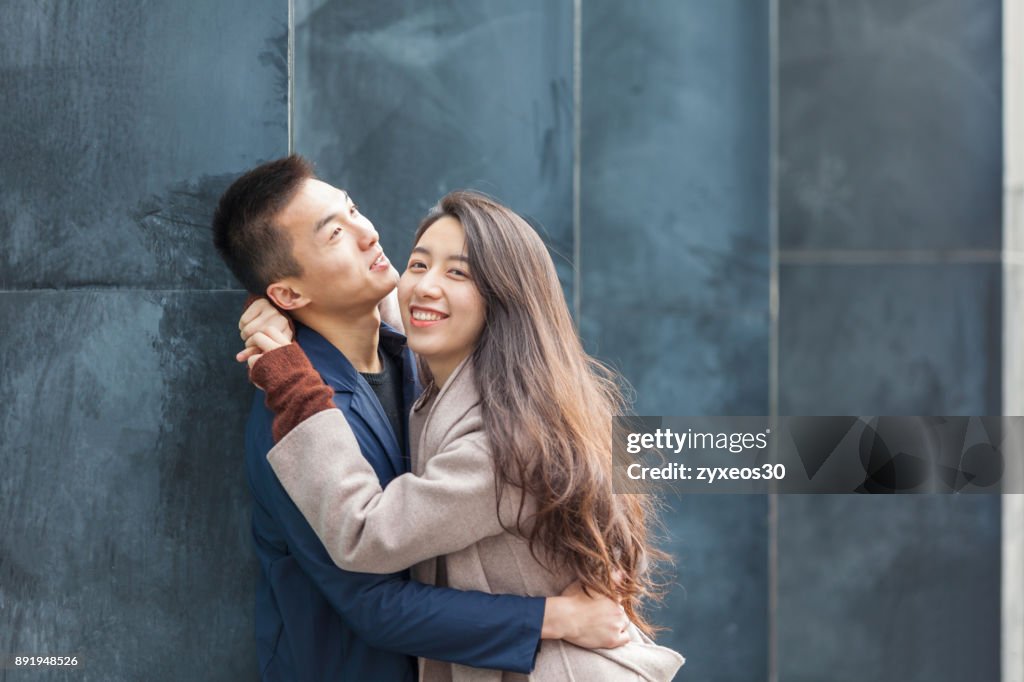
442	309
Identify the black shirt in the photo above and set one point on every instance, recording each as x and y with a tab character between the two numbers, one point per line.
387	386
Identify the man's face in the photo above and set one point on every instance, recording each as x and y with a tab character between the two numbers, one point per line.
343	265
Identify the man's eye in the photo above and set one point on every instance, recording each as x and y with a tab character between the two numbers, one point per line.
416	265
336	232
354	209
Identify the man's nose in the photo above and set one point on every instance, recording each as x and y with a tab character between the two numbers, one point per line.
368	238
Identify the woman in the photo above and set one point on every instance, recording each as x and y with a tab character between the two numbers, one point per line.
510	445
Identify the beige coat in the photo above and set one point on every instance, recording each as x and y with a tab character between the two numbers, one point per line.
446	509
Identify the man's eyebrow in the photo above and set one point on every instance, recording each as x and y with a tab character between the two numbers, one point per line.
328	218
323	221
458	256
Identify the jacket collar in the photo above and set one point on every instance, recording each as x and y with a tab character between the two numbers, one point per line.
336	370
338	373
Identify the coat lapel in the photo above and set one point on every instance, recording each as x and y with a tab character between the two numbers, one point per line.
437	414
366	405
338	373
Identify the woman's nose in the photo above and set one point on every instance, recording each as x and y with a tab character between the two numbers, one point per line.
426	286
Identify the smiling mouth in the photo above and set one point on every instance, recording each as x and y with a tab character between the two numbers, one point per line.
421	317
426	316
381	262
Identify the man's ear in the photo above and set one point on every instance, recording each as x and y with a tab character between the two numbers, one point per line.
285	296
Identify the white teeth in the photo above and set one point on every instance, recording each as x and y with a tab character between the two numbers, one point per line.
424	316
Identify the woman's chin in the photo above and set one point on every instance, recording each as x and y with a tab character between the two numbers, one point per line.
418	345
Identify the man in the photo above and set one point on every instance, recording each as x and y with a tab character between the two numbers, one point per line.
304	245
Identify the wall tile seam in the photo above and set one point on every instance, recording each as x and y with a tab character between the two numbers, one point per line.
895	257
291	77
752	313
1012	579
116	290
773	327
577	148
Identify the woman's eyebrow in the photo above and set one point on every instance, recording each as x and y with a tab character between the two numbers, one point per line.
456	256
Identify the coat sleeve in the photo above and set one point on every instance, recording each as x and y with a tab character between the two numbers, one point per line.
391	612
452	505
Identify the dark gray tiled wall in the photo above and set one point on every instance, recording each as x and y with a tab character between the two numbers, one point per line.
124	530
875	587
716	609
888	587
674	268
124	121
129	120
683	361
124	533
890	339
400	102
889	139
895	356
889	124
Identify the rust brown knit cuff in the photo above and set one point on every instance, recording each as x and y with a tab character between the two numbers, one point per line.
294	388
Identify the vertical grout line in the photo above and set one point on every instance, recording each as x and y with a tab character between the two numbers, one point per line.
577	117
773	212
773	332
1012	505
291	75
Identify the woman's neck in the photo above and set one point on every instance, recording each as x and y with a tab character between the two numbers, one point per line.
442	368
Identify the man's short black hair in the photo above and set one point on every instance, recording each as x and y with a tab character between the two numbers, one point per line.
256	250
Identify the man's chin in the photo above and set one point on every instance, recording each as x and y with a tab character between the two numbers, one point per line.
381	289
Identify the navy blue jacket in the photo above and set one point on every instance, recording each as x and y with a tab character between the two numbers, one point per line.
317	622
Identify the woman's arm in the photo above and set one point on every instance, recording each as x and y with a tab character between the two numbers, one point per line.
370	529
299	399
364	527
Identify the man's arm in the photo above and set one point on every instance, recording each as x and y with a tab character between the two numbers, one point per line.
395	614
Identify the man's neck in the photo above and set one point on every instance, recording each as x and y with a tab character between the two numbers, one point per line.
355	335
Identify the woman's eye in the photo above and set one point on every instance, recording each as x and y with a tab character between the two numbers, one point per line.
354	209
458	273
416	265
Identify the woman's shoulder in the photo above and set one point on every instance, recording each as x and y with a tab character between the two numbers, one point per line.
456	412
457	397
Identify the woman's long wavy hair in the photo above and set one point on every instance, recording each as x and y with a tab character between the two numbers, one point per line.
548	407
